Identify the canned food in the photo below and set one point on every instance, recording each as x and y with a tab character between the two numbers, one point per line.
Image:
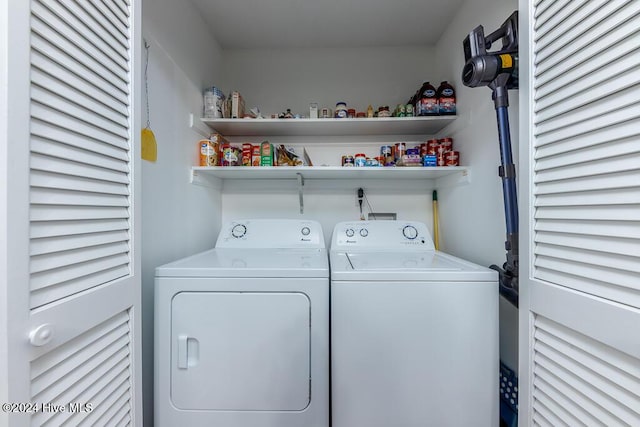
452	158
361	115
399	151
347	161
351	113
423	149
400	110
372	162
447	143
209	152
440	159
409	110
325	113
432	146
381	160
360	159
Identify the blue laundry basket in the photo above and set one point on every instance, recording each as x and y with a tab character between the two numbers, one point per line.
508	397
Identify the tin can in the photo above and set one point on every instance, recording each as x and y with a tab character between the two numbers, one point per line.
386	151
351	113
400	110
447	143
409	110
325	113
452	158
209	152
440	159
423	149
432	146
360	160
371	162
399	151
381	160
361	115
347	161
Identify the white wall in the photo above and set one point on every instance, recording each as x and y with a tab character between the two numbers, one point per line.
178	218
277	79
472	223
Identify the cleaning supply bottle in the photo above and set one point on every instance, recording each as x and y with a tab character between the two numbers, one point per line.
427	104
446	98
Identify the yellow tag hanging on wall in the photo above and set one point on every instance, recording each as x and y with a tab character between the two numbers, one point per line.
148	147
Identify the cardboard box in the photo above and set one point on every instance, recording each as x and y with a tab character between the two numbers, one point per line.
237	106
266	154
255	156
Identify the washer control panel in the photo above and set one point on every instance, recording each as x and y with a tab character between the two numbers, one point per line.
386	235
271	233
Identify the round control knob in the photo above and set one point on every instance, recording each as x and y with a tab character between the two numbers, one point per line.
238	231
305	231
364	232
410	232
349	232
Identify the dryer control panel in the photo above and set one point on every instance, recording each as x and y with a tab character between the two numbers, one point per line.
387	235
271	233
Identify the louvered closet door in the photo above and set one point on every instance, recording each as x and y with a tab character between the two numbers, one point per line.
580	145
74	276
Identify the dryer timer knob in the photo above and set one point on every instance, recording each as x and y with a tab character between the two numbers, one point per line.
410	232
349	232
305	231
238	230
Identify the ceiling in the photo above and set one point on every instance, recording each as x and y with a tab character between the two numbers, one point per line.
243	24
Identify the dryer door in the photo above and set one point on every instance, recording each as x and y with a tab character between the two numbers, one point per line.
240	351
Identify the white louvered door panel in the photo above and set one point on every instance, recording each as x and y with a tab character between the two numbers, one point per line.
580	132
74	282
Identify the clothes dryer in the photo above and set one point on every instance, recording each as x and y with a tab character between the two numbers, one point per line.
242	330
414	331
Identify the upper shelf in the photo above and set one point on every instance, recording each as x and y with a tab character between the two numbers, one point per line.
330	127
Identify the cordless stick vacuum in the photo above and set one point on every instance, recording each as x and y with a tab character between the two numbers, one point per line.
499	71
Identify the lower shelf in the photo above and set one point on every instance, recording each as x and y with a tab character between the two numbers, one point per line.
330	172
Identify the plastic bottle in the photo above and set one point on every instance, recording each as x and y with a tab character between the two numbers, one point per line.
427	104
446	98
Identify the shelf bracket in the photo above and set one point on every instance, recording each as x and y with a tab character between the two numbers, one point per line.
205	180
462	177
300	190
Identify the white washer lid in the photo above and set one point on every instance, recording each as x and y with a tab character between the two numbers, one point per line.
406	266
250	263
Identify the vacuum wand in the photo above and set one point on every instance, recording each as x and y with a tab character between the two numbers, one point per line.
499	71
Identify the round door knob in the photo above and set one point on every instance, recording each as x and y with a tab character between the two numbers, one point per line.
42	335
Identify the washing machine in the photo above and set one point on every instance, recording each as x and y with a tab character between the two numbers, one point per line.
414	331
242	330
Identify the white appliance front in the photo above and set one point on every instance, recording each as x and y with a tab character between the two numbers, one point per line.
414	338
242	335
256	343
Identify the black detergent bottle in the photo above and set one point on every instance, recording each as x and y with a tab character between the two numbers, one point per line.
446	98
427	104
